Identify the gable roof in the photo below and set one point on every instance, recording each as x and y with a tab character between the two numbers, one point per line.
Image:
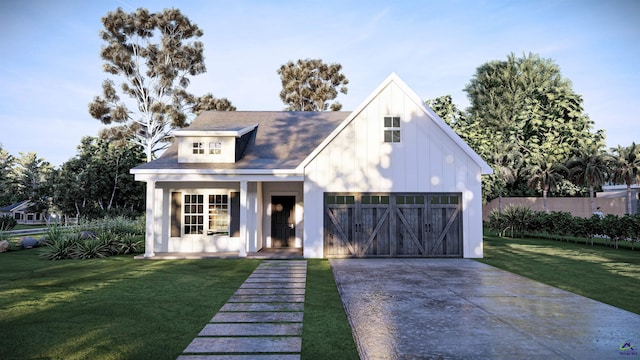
394	78
283	139
14	207
288	140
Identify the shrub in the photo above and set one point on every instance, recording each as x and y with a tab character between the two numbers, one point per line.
106	242
514	219
117	225
60	248
130	244
93	248
7	222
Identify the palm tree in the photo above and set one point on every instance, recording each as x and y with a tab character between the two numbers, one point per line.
505	160
626	168
590	167
545	173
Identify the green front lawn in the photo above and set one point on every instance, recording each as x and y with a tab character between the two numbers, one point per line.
602	273
120	308
113	308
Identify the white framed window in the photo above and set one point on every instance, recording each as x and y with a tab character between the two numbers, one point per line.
193	214
392	129
218	215
198	148
215	148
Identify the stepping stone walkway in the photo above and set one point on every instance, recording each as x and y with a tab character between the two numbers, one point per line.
262	320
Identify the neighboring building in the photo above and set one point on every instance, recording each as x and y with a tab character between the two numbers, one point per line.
388	179
620	191
20	212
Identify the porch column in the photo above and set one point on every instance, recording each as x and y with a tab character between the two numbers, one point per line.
150	213
243	218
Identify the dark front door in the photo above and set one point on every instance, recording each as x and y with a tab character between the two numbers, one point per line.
283	224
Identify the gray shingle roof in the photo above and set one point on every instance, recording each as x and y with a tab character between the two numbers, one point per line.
283	140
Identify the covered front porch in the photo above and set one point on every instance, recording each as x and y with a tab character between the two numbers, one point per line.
215	216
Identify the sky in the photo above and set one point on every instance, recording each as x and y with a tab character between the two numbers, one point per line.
50	68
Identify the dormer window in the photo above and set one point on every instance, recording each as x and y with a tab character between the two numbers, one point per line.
392	129
198	148
215	148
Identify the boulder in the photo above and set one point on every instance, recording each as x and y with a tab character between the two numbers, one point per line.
86	235
4	246
28	242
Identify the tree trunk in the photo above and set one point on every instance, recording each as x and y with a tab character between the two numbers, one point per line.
592	200
629	198
544	200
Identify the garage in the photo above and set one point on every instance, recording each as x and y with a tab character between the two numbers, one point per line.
393	225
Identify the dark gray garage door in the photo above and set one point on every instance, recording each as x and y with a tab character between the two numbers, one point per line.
393	224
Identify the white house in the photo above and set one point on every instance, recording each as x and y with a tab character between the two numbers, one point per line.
388	179
21	212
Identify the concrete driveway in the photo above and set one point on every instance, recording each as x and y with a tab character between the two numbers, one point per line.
463	309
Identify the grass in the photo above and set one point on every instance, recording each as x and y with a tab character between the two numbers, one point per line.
29	227
120	308
601	273
326	331
113	308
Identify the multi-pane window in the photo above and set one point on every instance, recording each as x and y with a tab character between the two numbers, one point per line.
198	148
193	214
215	148
391	129
215	221
218	215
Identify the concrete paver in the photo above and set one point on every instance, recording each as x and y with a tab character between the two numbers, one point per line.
257	317
263	307
292	329
245	345
267	298
463	309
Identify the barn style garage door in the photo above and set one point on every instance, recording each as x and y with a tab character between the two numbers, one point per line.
395	224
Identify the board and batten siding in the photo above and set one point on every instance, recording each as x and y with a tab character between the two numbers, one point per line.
426	160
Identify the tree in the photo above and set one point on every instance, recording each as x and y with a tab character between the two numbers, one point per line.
590	167
97	181
154	54
310	85
32	175
526	102
444	107
545	173
504	161
626	168
7	184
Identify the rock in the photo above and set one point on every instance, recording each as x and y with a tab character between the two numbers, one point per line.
4	246
28	242
86	235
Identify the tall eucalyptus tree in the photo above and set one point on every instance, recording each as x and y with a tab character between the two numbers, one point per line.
154	55
311	85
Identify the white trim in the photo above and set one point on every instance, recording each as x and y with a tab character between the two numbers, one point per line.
151	220
234	133
197	177
244	215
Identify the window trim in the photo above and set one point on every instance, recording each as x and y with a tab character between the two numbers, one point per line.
215	148
179	212
197	148
392	132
